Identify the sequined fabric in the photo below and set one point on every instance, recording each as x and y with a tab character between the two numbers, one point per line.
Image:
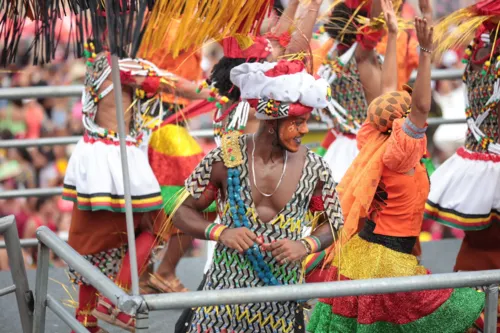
456	315
360	259
108	262
479	90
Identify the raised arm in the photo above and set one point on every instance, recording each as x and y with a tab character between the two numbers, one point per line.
164	81
303	33
421	99
363	53
389	80
287	18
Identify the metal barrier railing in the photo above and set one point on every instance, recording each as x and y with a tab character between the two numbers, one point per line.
205	133
76	90
50	241
28	242
21	287
141	305
43	192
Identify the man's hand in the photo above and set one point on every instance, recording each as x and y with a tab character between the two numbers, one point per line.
424	33
389	16
239	239
286	251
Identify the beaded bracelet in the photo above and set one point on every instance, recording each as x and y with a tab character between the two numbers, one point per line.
313	242
213	231
425	50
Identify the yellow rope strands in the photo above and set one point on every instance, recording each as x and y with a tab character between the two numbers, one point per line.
457	29
200	21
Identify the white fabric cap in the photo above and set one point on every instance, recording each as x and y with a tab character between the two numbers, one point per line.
300	87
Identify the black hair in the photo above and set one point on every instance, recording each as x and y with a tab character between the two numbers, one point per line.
17	102
278	7
341	14
6	135
221	79
40	202
25	155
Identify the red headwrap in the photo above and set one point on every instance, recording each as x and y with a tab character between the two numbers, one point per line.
488	7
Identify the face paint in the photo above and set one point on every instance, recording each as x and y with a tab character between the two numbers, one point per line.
290	132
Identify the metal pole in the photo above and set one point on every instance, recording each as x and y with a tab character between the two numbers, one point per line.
16	263
442	74
32	192
30	242
105	286
63	140
324	289
37	92
42	279
59	310
142	320
117	88
491	309
7	290
204	133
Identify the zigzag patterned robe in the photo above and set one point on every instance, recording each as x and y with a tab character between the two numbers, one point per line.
232	270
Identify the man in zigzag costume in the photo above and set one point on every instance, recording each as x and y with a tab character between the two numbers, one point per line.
465	191
281	40
265	185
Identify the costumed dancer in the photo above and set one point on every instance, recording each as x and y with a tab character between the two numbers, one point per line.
465	191
387	186
94	179
273	45
259	238
173	154
352	67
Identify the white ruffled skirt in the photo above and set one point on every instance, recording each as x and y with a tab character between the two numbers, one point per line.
340	155
94	178
465	191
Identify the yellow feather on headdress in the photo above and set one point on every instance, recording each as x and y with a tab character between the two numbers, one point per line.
199	21
457	29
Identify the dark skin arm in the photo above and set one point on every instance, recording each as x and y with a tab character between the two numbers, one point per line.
285	250
368	63
302	35
182	87
389	80
421	99
189	217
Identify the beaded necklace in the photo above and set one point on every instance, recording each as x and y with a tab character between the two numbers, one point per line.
237	209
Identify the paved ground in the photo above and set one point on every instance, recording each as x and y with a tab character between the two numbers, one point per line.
437	256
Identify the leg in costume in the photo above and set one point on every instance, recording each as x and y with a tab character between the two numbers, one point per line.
87	302
105	309
165	280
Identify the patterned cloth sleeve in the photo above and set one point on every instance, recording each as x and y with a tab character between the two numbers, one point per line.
199	180
330	197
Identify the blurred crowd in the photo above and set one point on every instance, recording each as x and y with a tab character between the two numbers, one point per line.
44	167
